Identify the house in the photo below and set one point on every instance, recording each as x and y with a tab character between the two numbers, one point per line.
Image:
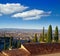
1	54
41	48
15	52
35	49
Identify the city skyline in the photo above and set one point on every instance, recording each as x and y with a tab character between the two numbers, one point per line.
29	14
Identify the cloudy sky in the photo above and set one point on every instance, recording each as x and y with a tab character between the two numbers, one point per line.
29	14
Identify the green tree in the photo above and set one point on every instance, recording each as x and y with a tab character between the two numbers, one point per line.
4	42
45	37
43	34
40	38
49	34
10	41
56	34
15	44
18	43
35	38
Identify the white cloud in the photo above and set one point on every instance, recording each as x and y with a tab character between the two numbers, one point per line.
18	10
10	8
32	14
0	14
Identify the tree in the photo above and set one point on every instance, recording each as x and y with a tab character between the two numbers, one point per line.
4	42
41	38
35	38
18	43
43	34
56	34
10	41
49	34
15	44
45	37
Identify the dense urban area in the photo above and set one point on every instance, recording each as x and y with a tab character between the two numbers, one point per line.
15	39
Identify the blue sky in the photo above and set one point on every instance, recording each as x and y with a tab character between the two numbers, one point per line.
29	14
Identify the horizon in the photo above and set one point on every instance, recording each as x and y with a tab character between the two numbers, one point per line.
26	29
29	14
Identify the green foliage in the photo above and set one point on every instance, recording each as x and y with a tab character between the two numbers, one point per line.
41	38
43	34
10	41
5	43
45	37
35	38
49	34
18	44
56	34
15	44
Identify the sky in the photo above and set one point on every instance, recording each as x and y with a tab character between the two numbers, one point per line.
29	14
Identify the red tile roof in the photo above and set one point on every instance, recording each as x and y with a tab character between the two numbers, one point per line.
42	48
1	54
16	52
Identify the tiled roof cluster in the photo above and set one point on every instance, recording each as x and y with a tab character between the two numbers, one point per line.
42	48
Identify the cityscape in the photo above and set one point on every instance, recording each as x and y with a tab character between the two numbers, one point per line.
29	28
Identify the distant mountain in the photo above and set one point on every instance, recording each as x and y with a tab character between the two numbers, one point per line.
22	30
19	30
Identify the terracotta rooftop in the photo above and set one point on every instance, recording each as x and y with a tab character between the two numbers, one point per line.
33	49
1	54
42	48
16	52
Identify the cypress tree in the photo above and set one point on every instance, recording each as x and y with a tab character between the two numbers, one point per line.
4	42
45	37
35	38
41	38
49	34
56	34
43	34
15	44
18	43
10	41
